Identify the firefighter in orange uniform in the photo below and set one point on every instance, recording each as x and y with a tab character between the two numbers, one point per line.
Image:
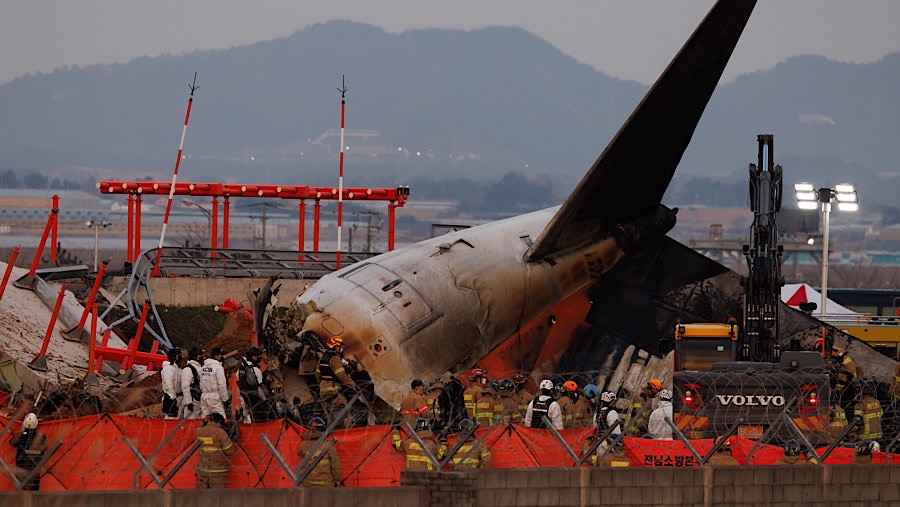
331	374
215	448
414	405
327	472
471	395
416	457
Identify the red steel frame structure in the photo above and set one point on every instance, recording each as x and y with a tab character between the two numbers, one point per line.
396	198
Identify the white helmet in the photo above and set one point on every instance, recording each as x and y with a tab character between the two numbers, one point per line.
30	422
665	394
608	396
546	384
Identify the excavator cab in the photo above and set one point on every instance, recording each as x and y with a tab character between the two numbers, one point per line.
698	346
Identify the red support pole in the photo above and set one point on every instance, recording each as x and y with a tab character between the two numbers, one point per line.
301	240
129	256
54	235
92	345
91	297
391	208
9	266
214	226
40	249
40	361
226	212
317	212
133	344
137	225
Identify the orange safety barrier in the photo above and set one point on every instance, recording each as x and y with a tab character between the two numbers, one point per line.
96	456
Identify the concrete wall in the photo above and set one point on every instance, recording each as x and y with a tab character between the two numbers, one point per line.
848	485
186	291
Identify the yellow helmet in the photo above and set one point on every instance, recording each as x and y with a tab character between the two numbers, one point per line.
334	341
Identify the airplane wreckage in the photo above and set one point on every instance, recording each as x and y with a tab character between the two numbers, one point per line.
575	288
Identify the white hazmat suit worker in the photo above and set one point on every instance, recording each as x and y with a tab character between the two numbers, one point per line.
213	386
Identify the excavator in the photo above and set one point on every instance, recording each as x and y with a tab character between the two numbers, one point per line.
742	374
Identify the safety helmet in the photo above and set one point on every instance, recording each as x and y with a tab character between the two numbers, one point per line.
437	380
792	447
546	384
334	341
254	351
464	425
864	448
195	352
665	395
507	384
520	378
478	373
726	446
422	424
317	423
591	391
654	384
30	422
173	354
570	385
608	396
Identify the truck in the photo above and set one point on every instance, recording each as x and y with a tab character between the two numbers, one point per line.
740	373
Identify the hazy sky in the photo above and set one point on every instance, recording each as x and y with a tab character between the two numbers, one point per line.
632	39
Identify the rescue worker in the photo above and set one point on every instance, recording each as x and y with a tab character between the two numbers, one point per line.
213	387
170	377
791	454
486	407
510	408
869	409
894	390
416	457
723	457
190	384
331	376
249	382
616	456
544	405
657	426
567	399
607	416
592	395
432	401
837	422
639	412
414	406
843	378
30	447
327	472
453	404
523	395
472	454
471	395
863	451
583	411
215	448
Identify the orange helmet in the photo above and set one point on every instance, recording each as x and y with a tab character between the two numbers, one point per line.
570	385
334	341
654	384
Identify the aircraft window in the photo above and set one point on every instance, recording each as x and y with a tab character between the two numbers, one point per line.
390	285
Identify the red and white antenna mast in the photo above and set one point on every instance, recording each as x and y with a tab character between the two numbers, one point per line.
343	90
162	234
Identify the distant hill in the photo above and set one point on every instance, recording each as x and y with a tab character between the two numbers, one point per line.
428	104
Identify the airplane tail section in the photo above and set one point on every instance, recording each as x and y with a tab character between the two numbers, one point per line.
630	177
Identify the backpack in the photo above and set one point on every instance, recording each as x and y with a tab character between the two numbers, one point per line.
247	376
195	385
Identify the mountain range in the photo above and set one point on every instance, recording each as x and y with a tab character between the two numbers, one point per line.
430	106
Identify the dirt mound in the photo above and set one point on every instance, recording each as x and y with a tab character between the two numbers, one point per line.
235	335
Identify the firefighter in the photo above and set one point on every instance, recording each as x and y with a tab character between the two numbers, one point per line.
215	448
863	451
567	400
607	416
453	404
791	454
837	422
414	406
895	386
843	378
432	401
249	381
544	405
616	456
416	457
486	406
331	376
327	472
639	413
510	407
723	457
477	381
869	410
523	395
190	384
170	378
472	454
657	426
213	387
30	447
583	414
